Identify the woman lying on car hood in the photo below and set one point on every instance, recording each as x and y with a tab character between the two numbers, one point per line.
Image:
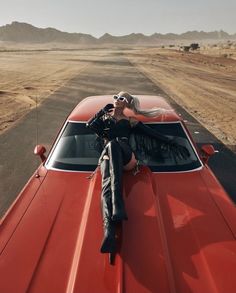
115	128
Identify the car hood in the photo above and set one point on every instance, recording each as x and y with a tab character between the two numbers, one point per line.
176	238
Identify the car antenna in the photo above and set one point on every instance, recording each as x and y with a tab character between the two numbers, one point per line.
36	109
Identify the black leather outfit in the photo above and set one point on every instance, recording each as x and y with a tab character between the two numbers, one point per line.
116	153
120	132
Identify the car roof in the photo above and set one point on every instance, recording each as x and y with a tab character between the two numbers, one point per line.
90	105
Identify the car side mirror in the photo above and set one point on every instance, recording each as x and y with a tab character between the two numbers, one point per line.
40	150
207	151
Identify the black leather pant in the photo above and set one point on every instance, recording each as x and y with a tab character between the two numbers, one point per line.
116	154
112	160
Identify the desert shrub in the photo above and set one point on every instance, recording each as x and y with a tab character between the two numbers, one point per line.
194	46
186	48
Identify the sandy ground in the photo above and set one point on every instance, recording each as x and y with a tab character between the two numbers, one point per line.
204	85
225	49
29	76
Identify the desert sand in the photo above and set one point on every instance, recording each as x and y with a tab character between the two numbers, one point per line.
204	83
30	76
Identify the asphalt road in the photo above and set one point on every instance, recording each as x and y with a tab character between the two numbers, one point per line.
107	75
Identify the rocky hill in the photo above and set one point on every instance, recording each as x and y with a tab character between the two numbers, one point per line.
24	32
27	33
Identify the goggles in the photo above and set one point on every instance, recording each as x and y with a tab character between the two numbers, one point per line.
117	98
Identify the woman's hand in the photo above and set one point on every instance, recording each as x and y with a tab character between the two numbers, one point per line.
100	113
96	123
108	108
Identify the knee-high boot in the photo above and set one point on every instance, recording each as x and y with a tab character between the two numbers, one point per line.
109	242
116	172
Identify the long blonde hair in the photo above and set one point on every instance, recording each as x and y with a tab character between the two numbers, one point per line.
134	104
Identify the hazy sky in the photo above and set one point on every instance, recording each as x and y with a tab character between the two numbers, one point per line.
120	17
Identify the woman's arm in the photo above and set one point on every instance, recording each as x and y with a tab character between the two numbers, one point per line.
141	128
170	144
95	123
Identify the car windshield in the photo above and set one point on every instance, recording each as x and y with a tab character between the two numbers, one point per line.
79	149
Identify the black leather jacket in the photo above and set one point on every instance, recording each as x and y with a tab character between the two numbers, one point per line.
110	128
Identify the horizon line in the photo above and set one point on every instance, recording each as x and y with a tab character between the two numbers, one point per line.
148	35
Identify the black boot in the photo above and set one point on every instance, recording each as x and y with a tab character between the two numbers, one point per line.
116	172
109	241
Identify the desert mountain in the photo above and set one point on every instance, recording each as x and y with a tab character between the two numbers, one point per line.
127	39
24	32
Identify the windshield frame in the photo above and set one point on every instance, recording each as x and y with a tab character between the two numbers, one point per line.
153	171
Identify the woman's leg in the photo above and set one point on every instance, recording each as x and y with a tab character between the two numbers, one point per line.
131	164
113	209
108	243
116	172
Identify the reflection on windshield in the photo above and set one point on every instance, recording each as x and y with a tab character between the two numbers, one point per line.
79	149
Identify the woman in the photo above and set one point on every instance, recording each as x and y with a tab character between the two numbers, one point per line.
111	124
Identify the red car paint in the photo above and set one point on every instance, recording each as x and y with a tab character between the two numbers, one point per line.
180	235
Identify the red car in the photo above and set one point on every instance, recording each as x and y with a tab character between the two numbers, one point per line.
180	235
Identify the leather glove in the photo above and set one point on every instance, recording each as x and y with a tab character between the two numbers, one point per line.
104	110
96	124
108	108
